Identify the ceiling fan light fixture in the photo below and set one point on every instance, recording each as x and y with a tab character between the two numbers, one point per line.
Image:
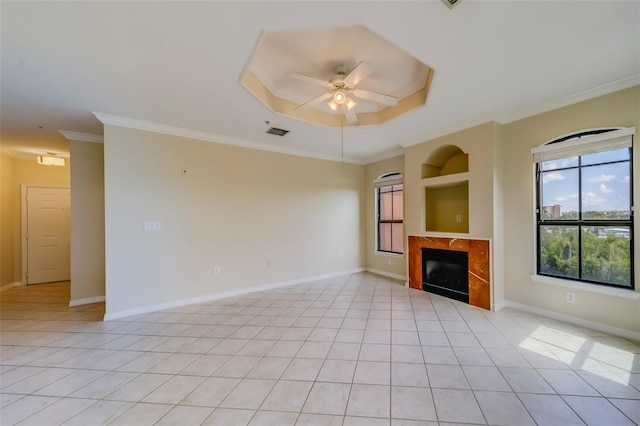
341	84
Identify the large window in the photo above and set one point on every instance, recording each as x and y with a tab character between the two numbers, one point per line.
389	213
585	207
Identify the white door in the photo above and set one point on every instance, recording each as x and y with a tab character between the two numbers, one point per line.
48	235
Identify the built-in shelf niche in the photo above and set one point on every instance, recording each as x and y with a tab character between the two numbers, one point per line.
445	178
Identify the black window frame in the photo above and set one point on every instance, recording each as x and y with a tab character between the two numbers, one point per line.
580	222
379	219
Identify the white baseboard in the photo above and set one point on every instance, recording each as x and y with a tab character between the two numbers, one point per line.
86	301
499	305
11	285
222	295
616	331
387	274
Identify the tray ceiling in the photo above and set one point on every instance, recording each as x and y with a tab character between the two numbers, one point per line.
181	64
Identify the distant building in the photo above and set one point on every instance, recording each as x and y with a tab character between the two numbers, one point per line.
554	211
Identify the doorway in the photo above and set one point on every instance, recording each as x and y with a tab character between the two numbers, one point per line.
47	234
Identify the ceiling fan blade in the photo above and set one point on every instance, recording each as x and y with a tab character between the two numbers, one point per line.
350	114
311	80
375	97
358	74
314	101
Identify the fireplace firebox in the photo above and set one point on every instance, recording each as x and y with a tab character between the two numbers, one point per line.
479	261
446	273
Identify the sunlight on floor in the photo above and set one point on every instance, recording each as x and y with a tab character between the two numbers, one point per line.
613	359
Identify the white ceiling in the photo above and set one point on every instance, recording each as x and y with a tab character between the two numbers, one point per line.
180	63
319	52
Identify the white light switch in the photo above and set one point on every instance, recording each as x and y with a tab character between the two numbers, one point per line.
152	225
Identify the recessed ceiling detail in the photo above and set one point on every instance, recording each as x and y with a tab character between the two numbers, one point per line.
336	76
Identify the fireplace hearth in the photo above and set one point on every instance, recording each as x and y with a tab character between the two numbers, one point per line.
446	273
478	267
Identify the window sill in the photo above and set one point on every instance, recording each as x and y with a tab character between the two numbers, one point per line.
387	254
593	288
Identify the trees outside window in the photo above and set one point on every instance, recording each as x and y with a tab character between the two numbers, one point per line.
584	208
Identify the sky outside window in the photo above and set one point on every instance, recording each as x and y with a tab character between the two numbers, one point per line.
605	187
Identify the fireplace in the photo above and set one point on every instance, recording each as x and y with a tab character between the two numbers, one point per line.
478	284
446	273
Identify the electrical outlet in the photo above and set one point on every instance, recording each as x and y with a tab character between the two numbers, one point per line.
458	218
217	270
388	261
571	297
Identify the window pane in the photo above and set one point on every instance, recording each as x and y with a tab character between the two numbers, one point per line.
385	189
397	237
591	196
559	164
559	250
606	254
559	195
386	211
605	191
607	156
397	187
384	236
397	205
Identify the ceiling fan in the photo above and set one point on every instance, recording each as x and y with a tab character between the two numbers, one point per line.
341	86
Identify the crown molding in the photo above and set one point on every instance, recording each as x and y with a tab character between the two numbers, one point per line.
505	117
448	130
385	156
129	123
511	115
501	117
82	137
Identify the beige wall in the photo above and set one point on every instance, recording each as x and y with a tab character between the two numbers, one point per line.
394	265
476	141
498	248
481	143
262	217
87	221
29	173
6	220
616	109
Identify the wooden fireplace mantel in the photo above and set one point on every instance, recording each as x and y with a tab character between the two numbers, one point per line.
479	264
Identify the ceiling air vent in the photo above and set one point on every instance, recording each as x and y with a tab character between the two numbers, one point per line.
451	3
276	131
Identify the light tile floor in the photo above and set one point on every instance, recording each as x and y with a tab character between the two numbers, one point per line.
355	350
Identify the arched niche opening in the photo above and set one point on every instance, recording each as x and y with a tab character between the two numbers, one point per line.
446	160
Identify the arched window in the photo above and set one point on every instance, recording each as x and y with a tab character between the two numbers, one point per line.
584	209
389	213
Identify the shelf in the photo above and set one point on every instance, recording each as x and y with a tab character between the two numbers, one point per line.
439	234
447	207
446	180
445	183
